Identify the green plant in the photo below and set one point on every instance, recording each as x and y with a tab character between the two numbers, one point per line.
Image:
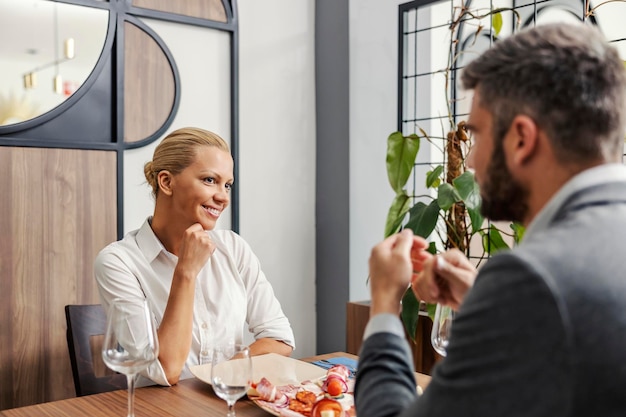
448	214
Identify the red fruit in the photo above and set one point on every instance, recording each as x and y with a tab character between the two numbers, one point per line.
334	387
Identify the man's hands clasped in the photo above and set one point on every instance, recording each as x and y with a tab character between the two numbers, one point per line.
402	260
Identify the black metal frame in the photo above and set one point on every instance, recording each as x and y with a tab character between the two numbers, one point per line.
528	19
529	11
44	131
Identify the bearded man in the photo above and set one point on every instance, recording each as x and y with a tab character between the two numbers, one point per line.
540	330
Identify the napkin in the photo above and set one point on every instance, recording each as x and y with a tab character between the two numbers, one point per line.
350	363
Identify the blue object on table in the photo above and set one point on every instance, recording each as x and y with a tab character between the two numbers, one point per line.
350	363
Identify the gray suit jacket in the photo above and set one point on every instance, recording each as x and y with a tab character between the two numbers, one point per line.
541	333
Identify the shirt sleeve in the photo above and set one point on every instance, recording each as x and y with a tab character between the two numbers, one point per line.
115	279
264	315
385	322
509	355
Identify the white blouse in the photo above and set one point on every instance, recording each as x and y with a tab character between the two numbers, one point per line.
231	291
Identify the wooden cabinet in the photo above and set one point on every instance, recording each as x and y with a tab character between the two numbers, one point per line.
424	356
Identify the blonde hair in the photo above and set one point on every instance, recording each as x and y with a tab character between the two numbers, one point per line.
177	151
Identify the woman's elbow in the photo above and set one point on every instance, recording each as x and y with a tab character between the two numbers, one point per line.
172	374
172	379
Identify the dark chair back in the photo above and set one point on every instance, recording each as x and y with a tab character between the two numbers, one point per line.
84	324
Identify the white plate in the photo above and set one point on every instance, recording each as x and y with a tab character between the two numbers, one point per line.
278	369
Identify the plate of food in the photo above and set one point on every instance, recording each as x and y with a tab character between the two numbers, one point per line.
330	395
289	387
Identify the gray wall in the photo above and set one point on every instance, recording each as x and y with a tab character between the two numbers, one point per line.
332	191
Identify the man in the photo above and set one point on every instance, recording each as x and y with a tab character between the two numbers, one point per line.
541	329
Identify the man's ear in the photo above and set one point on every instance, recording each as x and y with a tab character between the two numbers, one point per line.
164	181
522	140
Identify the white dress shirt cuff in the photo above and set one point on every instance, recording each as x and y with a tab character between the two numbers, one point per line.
156	374
384	323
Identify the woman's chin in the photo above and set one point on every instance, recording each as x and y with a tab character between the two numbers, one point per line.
208	224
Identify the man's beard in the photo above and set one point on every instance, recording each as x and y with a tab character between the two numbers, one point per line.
503	198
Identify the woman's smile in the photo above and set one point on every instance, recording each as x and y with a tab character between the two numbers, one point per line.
213	212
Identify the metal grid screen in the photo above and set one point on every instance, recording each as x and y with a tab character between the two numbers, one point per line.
435	45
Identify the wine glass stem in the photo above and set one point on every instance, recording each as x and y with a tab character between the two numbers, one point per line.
231	409
130	379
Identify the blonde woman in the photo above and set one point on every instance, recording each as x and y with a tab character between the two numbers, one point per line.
203	285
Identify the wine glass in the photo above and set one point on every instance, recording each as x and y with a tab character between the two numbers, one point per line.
231	373
440	334
130	342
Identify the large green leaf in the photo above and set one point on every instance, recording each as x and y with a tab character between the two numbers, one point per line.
468	189
492	241
423	218
447	196
433	178
396	213
476	218
410	313
401	153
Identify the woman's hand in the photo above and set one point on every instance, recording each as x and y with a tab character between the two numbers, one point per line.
195	249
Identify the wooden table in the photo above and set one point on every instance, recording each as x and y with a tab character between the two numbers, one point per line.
190	397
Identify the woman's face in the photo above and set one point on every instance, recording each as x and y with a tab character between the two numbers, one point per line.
202	190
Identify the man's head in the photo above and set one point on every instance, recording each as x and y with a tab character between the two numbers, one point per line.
566	81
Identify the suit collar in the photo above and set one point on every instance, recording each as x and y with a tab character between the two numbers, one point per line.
592	186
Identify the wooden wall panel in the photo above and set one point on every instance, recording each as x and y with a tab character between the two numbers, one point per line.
203	9
148	94
6	287
57	210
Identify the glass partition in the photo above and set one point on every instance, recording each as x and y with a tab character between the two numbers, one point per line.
47	51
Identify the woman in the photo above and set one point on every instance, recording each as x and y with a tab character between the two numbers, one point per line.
203	285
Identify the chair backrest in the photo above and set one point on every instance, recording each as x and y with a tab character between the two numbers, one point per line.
84	324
